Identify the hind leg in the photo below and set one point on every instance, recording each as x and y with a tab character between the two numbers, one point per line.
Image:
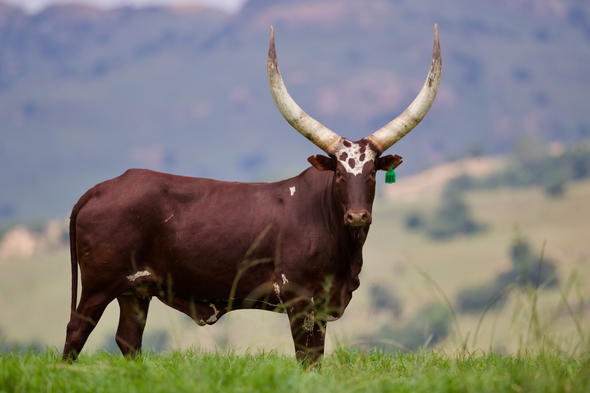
132	318
82	322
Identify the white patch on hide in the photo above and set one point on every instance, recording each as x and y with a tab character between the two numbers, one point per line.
213	317
352	154
292	190
142	273
276	288
284	278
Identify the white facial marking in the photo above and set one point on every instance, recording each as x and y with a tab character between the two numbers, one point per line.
354	157
284	278
292	190
213	317
143	273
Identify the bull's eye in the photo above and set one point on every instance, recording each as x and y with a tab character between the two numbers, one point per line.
371	177
339	177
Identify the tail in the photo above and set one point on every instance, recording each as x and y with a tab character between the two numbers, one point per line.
74	259
73	249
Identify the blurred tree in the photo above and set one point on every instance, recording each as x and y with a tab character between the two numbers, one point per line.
153	341
384	298
528	270
428	327
452	217
18	347
474	299
414	220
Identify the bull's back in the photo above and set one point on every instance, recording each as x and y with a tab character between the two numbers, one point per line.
189	227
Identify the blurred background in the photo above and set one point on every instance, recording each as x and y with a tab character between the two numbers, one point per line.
481	244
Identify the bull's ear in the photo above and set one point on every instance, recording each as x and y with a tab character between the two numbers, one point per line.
384	163
322	163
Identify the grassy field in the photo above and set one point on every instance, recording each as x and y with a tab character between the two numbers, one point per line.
342	371
537	341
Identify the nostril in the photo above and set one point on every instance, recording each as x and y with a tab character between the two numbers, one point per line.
349	217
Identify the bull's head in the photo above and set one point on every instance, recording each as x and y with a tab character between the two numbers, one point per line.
354	163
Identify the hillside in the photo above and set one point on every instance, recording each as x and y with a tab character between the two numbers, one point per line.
86	93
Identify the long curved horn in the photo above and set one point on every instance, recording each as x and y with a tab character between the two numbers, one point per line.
415	112
323	137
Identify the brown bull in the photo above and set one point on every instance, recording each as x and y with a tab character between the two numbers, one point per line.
206	247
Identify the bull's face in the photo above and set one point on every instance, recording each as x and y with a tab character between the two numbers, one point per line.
354	163
354	166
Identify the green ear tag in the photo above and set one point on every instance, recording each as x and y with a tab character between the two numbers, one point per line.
390	175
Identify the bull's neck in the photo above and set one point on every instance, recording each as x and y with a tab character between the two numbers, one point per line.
348	251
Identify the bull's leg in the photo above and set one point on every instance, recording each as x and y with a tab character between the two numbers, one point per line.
308	335
82	322
132	317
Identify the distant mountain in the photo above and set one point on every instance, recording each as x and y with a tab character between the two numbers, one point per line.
86	93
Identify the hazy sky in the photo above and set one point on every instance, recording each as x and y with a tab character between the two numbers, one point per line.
35	5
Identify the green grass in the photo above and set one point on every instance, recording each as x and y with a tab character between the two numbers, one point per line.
342	371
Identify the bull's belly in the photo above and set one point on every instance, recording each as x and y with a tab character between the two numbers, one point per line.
205	290
207	275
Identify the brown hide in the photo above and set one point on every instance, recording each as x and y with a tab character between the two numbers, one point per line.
192	234
204	247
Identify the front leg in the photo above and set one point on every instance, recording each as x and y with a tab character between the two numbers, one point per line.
308	335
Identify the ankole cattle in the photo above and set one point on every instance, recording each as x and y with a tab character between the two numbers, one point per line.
206	247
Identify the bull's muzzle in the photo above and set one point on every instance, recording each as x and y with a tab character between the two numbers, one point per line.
357	218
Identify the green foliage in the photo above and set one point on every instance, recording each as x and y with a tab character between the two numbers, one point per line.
17	347
475	299
532	165
555	186
452	217
429	326
384	298
342	371
5	227
37	227
414	220
528	270
156	341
